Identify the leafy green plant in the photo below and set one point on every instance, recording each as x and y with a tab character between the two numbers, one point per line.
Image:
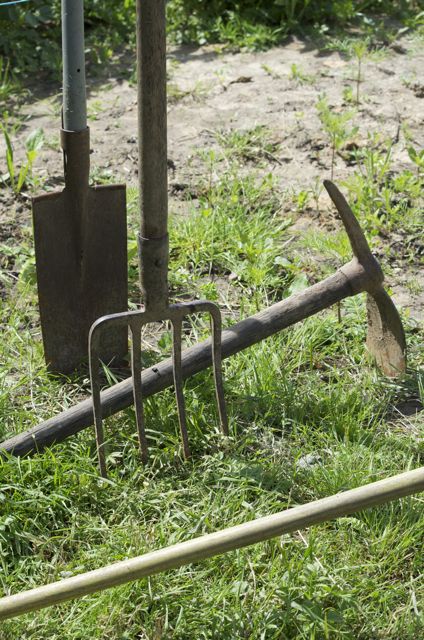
270	71
348	96
235	230
335	125
417	158
301	199
8	86
384	200
17	176
250	144
316	191
359	50
297	75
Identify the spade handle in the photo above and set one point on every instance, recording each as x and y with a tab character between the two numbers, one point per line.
74	92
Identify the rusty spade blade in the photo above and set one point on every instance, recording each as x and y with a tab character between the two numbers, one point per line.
386	337
80	233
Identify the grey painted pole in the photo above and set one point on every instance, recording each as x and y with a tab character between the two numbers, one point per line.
214	544
74	93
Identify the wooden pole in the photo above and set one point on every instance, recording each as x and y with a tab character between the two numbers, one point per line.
240	336
214	544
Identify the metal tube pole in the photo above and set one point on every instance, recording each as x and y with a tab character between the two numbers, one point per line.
214	544
74	94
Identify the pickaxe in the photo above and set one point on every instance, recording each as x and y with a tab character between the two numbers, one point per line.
385	340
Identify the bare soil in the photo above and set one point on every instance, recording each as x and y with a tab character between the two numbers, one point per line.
211	91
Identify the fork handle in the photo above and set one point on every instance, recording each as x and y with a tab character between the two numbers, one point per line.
152	136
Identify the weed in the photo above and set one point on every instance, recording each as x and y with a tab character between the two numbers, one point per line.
8	86
357	49
417	158
335	125
414	286
197	92
235	229
316	191
16	177
100	175
382	199
297	75
221	76
302	199
249	145
348	96
94	109
270	71
360	50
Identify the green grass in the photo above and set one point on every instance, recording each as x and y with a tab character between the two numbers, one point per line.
250	145
309	390
385	200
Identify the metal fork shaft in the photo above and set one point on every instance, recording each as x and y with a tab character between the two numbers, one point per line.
216	325
97	407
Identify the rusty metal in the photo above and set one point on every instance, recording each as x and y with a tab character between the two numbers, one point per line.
153	243
80	233
386	337
135	320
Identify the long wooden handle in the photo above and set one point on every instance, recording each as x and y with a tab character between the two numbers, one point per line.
152	128
214	544
236	338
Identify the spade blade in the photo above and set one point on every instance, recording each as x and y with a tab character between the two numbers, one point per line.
79	281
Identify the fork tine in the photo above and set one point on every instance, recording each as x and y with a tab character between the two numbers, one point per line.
137	389
178	382
95	394
216	322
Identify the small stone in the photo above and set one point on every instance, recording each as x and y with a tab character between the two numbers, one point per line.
309	460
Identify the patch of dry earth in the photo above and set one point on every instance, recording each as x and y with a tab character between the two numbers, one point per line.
212	91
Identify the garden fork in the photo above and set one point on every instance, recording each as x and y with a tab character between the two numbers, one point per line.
153	244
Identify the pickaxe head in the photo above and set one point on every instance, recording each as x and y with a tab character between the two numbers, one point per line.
386	337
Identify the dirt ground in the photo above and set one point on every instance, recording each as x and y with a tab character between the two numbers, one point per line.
211	91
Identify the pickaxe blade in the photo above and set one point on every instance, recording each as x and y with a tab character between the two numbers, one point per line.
386	337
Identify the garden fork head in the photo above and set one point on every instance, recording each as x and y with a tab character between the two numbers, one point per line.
174	314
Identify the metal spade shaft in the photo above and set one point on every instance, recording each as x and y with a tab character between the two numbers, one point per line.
214	544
